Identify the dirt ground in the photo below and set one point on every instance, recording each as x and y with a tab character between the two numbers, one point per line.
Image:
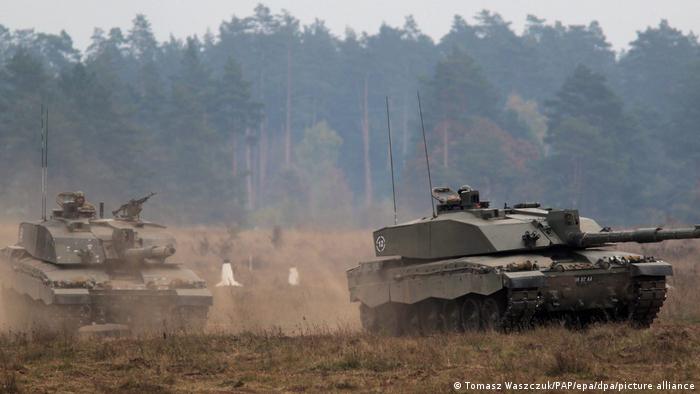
269	336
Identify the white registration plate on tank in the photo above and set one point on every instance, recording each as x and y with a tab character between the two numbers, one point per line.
584	280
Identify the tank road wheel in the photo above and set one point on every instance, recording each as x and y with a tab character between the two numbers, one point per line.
369	319
451	319
429	312
411	320
599	316
615	315
491	314
576	320
64	319
470	312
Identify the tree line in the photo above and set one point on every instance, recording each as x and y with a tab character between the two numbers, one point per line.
268	121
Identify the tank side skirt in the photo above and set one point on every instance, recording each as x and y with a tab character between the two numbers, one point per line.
442	286
413	290
658	268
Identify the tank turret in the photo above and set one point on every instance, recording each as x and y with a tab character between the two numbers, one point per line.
466	226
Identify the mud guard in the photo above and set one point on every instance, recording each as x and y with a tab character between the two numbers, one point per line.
371	295
194	297
71	296
524	279
658	268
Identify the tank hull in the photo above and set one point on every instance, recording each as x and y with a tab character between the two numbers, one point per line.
41	294
508	291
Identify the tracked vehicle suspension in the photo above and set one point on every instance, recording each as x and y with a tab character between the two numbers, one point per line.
649	296
468	313
520	309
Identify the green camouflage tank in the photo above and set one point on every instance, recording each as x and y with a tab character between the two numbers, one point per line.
77	269
472	267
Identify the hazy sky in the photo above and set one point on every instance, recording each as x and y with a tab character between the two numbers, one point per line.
620	19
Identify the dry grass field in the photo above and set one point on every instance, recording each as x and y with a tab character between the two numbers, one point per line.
268	336
344	361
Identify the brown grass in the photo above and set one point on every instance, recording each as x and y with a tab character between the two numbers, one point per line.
339	361
269	336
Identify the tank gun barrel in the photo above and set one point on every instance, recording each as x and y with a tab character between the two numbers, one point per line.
155	252
644	235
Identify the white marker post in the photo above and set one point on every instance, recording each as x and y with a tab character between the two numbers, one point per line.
227	278
293	278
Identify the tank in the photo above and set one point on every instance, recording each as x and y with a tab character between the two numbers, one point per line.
471	266
77	268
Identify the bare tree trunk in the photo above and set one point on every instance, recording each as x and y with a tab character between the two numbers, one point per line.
387	165
445	146
288	121
575	184
404	126
262	144
262	156
249	170
234	153
365	146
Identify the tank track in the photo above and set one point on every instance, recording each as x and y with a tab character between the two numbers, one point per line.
649	296
520	309
27	314
517	308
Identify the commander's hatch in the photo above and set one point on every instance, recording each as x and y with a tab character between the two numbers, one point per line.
447	198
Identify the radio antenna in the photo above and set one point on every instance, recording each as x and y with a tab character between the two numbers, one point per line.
425	147
391	158
44	157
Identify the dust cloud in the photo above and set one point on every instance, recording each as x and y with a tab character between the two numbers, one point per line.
263	262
